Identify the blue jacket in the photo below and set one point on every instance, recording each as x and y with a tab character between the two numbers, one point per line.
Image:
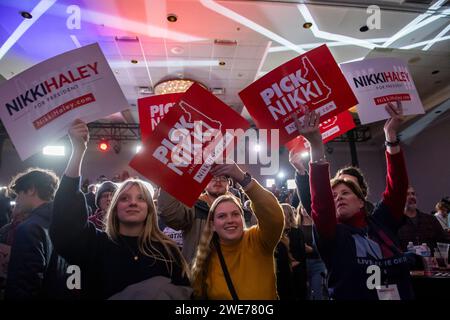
35	271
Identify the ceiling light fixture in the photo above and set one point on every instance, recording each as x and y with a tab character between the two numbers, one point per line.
177	50
171	17
26	14
218	91
225	42
174	86
127	38
145	90
364	29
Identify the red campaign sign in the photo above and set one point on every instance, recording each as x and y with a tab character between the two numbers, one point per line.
311	80
153	109
180	152
330	129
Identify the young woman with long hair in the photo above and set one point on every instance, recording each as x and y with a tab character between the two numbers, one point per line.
132	258
247	254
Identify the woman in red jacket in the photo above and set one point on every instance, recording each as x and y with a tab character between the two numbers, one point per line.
360	251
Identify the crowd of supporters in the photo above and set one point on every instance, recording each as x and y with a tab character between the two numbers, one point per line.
239	240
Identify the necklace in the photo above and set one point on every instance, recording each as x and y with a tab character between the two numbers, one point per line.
134	254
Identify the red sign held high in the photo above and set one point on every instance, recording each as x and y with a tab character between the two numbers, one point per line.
312	80
181	151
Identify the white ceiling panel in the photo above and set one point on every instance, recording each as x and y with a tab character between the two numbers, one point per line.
257	26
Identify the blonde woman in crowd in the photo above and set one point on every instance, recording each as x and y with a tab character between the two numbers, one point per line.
247	267
132	258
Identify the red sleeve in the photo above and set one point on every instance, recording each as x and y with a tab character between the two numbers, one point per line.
394	197
323	210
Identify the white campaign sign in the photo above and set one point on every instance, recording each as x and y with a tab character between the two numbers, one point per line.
375	82
38	105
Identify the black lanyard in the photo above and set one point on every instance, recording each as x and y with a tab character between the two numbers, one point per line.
225	269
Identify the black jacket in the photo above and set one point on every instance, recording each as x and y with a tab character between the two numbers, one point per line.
107	266
35	271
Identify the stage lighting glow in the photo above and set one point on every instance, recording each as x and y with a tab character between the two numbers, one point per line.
57	151
103	146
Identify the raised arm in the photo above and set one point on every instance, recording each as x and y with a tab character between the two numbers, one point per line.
264	204
301	180
394	196
70	231
323	210
173	213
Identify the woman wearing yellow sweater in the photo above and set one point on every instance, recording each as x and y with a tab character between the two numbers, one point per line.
247	253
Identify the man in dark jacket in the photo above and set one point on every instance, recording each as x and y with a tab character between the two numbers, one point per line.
420	227
34	270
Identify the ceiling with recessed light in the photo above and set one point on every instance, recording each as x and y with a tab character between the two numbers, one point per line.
226	45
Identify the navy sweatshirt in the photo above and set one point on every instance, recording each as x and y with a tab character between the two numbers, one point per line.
349	248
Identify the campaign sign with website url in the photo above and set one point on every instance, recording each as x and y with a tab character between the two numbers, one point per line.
179	154
153	109
378	81
330	129
312	80
38	105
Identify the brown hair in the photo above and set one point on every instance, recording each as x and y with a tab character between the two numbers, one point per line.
351	185
45	182
357	173
443	205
